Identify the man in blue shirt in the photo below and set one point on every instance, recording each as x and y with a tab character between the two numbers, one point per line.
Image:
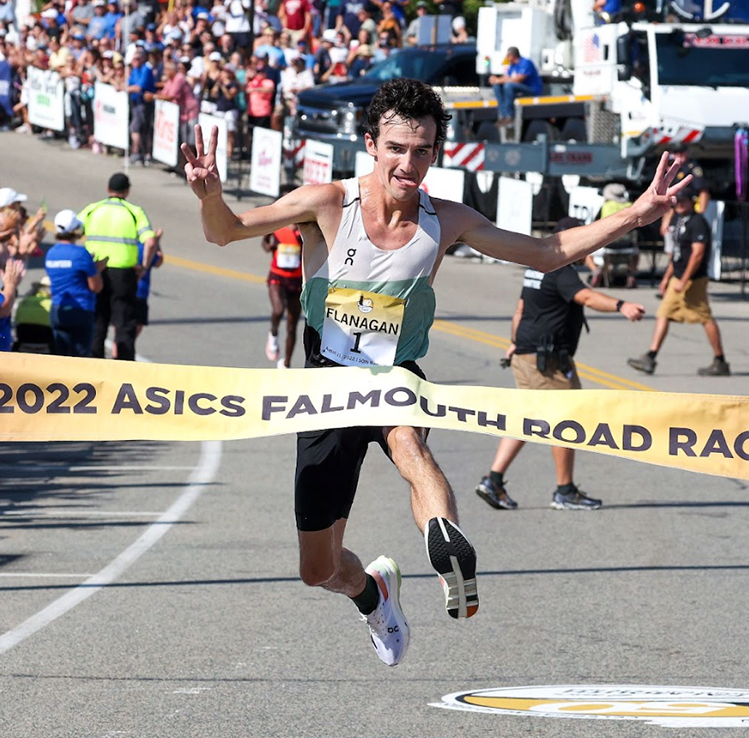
521	78
142	87
75	278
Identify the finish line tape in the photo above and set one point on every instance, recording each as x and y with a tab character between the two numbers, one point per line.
55	398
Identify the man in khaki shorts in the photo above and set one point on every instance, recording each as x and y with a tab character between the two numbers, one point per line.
546	329
684	289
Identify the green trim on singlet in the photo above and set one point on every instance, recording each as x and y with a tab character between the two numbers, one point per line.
418	315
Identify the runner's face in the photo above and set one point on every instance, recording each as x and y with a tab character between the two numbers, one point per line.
403	154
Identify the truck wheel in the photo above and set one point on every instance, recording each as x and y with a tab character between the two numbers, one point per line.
574	130
537	128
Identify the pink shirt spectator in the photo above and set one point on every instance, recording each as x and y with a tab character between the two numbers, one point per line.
260	92
179	90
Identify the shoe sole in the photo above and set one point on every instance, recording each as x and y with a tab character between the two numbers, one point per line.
454	558
568	506
389	570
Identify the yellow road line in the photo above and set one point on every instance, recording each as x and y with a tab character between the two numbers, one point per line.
218	271
586	372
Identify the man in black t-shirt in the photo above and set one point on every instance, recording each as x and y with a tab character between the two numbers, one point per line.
684	289
546	329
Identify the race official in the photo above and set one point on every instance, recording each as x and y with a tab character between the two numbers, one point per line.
114	227
546	330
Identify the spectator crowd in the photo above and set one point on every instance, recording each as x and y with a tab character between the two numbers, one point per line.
242	62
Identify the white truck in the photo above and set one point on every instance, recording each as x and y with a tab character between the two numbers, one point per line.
647	78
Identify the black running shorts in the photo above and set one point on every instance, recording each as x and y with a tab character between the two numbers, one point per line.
328	462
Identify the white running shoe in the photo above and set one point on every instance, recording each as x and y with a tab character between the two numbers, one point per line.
281	364
388	627
454	558
271	348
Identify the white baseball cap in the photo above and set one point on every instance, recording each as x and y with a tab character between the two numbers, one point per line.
66	221
8	196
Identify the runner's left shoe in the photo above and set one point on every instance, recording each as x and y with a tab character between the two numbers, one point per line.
454	558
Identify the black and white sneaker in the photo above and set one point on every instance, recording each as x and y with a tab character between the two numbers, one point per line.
574	500
454	559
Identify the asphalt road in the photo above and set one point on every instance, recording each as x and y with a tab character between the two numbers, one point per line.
149	590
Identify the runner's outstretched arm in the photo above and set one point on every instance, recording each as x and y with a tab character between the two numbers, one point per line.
222	226
558	249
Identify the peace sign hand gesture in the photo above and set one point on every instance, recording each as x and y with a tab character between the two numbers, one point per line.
201	170
660	196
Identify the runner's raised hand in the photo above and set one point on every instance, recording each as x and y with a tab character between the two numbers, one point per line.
201	170
660	196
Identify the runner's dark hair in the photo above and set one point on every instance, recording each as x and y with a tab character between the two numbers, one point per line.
408	99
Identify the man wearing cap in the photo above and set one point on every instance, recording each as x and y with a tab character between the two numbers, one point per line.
113	228
97	28
75	279
521	78
322	60
412	31
294	79
684	289
113	18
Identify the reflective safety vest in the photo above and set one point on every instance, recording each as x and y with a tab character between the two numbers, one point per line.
113	228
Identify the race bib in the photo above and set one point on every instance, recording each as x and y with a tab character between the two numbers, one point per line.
288	255
361	328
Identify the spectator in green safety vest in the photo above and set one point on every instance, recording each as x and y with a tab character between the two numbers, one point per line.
114	227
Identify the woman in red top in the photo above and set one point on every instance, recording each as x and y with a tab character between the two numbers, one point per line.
284	290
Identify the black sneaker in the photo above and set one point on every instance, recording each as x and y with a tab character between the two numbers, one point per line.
574	500
454	558
718	368
644	363
495	495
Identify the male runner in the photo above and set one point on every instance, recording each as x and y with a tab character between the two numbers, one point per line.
373	245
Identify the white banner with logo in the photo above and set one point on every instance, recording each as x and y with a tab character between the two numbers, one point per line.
515	205
46	99
318	162
111	116
166	132
443	183
265	174
585	202
206	123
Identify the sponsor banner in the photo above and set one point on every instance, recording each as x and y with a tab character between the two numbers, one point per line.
111	114
515	205
206	123
671	707
265	171
166	133
585	203
46	104
56	398
318	163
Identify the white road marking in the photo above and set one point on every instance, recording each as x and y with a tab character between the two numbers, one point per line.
36	468
25	574
205	471
67	513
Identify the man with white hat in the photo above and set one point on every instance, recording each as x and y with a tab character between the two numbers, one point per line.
75	279
9	198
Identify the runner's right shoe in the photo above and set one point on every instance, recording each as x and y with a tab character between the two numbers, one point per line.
388	627
272	350
454	558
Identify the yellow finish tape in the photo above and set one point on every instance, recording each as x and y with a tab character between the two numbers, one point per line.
51	398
